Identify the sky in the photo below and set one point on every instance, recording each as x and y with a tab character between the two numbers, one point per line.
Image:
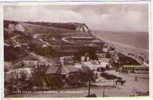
105	17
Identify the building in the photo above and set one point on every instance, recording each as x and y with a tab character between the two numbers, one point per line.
139	69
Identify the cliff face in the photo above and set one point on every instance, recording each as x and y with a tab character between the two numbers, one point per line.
48	40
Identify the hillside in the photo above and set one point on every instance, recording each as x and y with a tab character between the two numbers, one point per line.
44	40
24	39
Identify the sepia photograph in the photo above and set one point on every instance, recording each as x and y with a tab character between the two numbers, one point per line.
76	50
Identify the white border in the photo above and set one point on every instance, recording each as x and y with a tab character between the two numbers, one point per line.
77	3
1	53
75	0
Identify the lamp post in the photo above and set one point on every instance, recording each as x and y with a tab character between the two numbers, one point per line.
89	88
103	91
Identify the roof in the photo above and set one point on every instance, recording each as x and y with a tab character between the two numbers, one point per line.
130	66
93	66
61	70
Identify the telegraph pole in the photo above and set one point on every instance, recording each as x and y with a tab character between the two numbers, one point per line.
89	88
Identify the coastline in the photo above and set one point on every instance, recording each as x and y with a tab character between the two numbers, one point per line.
128	49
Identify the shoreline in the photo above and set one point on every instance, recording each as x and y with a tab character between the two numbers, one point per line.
128	49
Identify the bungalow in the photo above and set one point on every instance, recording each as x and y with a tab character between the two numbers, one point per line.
140	69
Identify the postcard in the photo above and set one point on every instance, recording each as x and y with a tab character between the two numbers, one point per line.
76	50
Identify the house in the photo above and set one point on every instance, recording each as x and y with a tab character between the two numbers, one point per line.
140	69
